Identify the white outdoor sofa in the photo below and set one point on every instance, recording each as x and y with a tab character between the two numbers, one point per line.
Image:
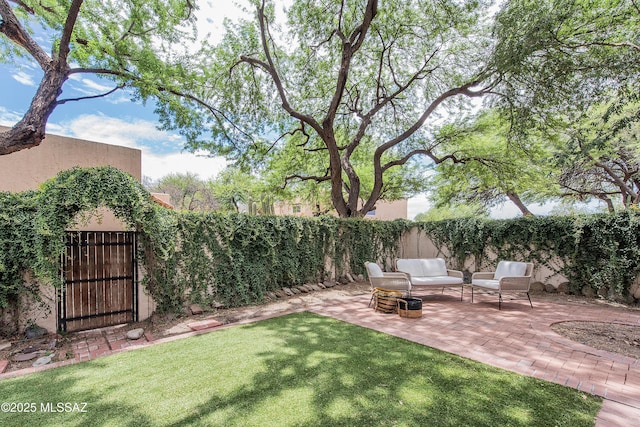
430	273
510	276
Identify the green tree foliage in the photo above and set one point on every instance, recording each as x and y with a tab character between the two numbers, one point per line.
560	56
349	80
131	42
187	191
291	174
236	190
487	168
599	156
463	210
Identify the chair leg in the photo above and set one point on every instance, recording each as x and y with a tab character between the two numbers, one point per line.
529	300
471	294
499	301
461	292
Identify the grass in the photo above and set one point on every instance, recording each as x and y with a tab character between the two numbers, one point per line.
296	370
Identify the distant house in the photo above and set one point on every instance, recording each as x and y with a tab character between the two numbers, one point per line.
384	210
27	170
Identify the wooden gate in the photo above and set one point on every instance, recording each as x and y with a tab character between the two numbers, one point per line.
100	280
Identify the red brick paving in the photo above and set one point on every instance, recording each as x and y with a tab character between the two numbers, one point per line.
204	324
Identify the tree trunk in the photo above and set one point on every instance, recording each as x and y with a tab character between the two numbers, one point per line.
516	201
608	202
30	131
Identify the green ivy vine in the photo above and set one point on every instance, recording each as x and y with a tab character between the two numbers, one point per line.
236	258
599	251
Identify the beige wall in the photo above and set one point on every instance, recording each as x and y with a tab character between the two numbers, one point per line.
417	245
28	169
388	211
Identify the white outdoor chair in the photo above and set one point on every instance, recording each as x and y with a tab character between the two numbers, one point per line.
510	276
386	280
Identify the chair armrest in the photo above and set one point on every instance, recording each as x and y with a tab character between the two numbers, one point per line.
455	273
515	283
486	275
399	281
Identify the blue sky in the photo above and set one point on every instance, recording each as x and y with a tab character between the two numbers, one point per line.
114	119
117	120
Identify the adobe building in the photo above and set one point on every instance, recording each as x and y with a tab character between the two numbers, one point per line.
27	170
384	210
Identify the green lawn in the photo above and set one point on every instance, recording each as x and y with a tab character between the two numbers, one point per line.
296	370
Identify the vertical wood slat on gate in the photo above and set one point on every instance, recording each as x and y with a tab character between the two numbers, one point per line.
100	280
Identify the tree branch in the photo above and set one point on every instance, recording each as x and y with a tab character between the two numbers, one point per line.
65	38
298	177
269	67
12	28
82	98
349	47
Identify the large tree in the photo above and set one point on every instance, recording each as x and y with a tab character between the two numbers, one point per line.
599	155
492	169
128	42
187	191
371	72
290	173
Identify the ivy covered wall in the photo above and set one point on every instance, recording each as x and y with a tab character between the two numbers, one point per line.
235	259
599	252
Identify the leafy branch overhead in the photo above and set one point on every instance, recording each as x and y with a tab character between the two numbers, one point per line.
130	42
340	76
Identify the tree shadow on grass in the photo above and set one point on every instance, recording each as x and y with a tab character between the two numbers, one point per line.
60	397
326	372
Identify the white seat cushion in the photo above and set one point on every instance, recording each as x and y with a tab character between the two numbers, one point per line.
435	281
486	283
509	269
411	266
433	267
374	270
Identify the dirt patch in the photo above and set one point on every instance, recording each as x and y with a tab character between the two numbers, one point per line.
613	337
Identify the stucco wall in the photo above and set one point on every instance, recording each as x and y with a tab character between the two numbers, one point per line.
384	210
417	245
28	169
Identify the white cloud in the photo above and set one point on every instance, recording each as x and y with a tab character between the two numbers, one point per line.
156	167
416	205
8	118
24	78
95	86
131	134
111	130
211	16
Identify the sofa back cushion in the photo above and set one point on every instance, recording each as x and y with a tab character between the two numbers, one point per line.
433	267
510	269
411	266
374	270
423	267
